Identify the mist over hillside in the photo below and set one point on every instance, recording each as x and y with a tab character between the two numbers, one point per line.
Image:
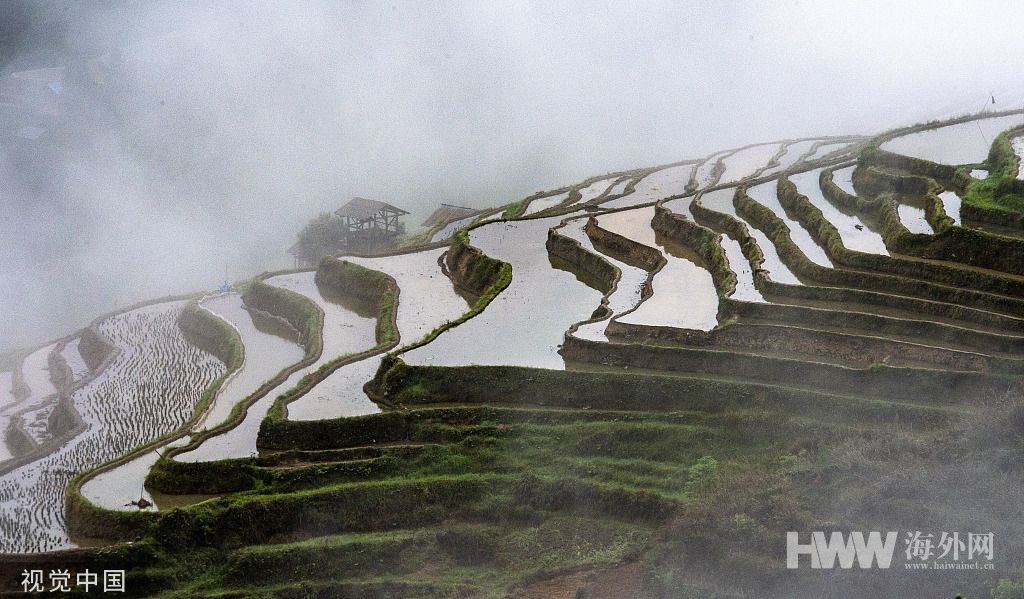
154	148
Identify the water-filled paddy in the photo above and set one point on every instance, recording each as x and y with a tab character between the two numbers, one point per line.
794	152
1018	149
6	402
149	388
684	293
766	194
747	161
544	203
964	143
951	204
525	324
74	360
656	186
627	292
345	332
843	177
427	300
265	356
347	329
914	219
721	201
979	173
595	189
705	173
855	233
826	149
36	372
115	488
738	263
450	229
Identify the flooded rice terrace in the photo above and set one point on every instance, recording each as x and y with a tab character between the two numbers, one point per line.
266	354
7	401
963	143
541	204
150	387
427	300
855	233
684	294
766	194
627	292
345	332
656	186
721	200
527	321
744	163
448	230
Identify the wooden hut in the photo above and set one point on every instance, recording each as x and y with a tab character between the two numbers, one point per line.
369	224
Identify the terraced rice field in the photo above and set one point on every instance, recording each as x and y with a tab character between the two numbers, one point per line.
266	354
149	388
963	143
656	186
684	294
73	358
615	401
449	229
542	204
429	301
628	291
746	162
857	233
7	400
527	304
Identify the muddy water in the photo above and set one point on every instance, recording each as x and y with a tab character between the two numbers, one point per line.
427	300
149	388
544	203
656	186
74	360
979	173
793	153
951	203
965	143
626	294
766	194
914	219
684	293
345	329
721	201
525	324
854	232
746	162
450	229
265	356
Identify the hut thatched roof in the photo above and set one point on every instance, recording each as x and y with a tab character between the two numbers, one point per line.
364	208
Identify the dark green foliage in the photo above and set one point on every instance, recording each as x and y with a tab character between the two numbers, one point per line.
320	237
